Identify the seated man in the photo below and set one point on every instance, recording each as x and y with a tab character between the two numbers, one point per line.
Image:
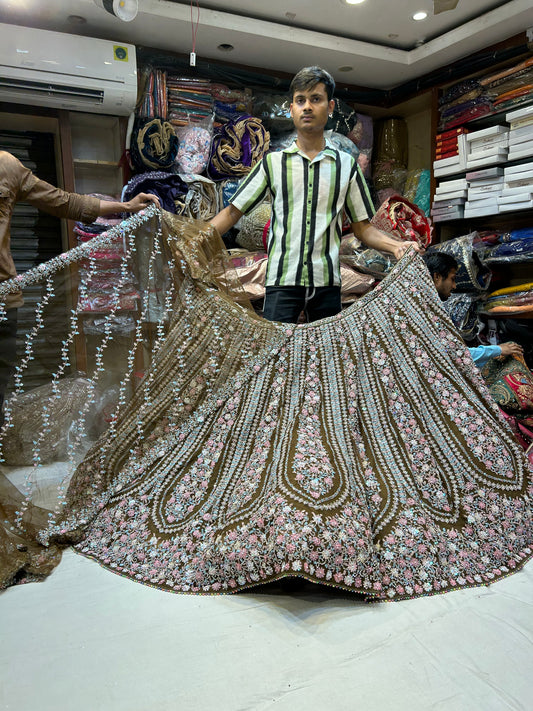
443	269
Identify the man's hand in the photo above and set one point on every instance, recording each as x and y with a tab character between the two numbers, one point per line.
402	248
511	349
140	202
375	239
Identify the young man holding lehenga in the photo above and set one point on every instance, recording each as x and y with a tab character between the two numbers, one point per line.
311	184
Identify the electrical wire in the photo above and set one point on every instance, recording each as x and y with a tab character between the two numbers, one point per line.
194	27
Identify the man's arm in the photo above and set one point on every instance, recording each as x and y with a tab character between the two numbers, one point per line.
482	354
374	238
139	202
226	219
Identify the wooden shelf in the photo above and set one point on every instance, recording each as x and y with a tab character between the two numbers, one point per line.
95	163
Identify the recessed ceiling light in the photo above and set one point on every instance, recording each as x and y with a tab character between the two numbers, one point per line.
346	68
353	2
420	15
226	47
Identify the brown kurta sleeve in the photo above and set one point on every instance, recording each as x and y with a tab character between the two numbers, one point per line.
56	201
17	183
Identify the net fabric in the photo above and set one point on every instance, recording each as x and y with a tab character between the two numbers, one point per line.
53	412
362	451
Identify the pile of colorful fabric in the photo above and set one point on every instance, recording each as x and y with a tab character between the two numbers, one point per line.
514	246
154	95
404	220
510	383
193	101
168	187
474	98
104	286
513	301
189	100
512	87
230	103
463	102
237	146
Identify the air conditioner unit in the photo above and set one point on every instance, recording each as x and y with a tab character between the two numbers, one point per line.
42	68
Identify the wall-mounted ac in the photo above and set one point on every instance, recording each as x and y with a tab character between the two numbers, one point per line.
42	68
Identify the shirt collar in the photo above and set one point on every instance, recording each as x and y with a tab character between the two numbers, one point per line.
329	149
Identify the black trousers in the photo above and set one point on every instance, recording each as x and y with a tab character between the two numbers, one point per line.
285	303
8	352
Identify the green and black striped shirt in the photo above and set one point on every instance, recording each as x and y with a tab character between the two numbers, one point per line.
308	200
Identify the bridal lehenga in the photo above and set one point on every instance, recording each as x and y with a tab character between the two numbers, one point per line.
362	451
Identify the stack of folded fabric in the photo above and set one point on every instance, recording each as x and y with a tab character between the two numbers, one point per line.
513	301
510	87
463	102
515	246
154	95
193	101
230	103
189	100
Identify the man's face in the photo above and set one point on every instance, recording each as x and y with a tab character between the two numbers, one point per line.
445	286
310	109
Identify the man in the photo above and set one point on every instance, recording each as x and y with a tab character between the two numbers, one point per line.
18	184
443	269
312	184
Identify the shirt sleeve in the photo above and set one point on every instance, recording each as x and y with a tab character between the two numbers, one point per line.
359	205
55	201
482	354
252	189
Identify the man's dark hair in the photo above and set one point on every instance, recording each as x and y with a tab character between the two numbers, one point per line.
308	77
440	263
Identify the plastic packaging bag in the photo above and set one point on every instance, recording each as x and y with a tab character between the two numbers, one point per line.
194	147
274	111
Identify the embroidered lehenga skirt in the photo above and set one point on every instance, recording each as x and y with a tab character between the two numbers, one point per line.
362	451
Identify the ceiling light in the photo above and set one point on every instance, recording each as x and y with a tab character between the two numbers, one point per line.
225	47
353	2
420	15
346	68
125	10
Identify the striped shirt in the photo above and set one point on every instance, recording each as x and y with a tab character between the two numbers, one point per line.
308	199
